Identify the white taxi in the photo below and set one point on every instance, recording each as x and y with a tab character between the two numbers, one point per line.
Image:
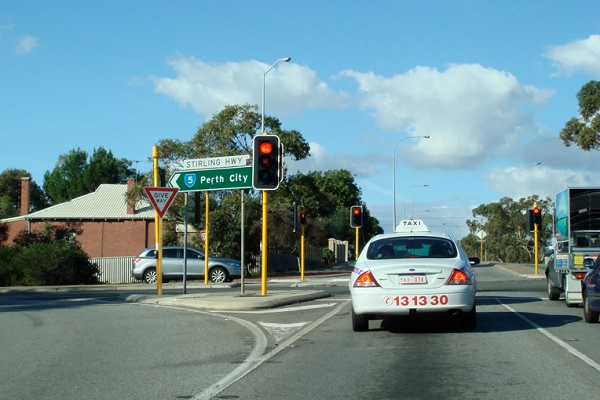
412	272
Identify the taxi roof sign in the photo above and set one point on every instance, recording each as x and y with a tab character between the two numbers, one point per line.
412	225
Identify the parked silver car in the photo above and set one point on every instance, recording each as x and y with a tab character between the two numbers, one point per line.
219	269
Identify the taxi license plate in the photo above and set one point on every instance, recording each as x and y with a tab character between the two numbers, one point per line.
412	279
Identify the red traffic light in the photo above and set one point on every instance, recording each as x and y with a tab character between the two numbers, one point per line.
356	219
266	162
266	147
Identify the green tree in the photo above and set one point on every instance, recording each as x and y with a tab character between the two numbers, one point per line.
230	132
10	193
507	238
74	176
584	131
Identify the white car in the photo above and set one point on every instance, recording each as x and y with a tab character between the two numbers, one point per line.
412	272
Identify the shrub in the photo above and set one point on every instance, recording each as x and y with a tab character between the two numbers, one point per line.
9	275
56	263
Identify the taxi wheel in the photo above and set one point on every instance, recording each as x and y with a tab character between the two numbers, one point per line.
468	320
589	315
360	323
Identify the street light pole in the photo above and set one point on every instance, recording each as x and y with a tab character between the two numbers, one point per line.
404	198
262	120
394	170
265	197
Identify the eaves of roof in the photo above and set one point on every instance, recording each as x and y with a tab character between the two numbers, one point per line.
108	202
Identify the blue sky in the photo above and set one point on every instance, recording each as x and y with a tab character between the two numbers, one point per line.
491	82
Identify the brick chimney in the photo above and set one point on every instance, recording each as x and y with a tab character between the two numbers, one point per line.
130	203
25	195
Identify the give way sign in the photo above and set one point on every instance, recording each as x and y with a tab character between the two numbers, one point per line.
161	198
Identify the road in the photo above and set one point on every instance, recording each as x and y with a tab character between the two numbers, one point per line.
95	346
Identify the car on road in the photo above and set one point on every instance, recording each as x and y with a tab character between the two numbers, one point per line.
219	269
413	272
590	290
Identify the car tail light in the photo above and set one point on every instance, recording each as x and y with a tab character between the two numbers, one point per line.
137	260
580	275
366	279
458	277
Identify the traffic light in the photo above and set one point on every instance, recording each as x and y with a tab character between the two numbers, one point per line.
530	227
293	216
356	218
266	160
537	217
302	218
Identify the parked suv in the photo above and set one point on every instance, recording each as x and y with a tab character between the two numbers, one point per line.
219	269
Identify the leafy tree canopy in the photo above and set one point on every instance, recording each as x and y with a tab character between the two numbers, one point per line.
584	131
10	193
75	176
505	222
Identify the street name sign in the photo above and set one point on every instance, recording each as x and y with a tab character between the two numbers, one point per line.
196	164
161	198
212	179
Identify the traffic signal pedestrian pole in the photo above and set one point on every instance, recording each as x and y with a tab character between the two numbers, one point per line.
264	250
535	242
157	226
206	237
357	249
302	253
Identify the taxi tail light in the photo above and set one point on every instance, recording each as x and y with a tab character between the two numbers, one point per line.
366	279
458	277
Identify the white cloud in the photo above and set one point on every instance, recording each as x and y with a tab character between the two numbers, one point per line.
578	56
26	45
322	160
208	88
468	110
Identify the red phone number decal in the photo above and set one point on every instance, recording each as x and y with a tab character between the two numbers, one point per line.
406	301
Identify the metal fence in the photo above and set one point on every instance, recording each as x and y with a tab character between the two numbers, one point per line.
114	269
118	269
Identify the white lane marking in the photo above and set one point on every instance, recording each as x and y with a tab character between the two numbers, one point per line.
222	385
556	340
254	359
280	331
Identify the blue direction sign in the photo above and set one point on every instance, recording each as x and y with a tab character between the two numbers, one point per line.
212	179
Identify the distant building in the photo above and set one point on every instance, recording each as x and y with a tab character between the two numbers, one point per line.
110	225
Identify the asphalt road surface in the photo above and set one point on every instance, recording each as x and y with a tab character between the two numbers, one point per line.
96	346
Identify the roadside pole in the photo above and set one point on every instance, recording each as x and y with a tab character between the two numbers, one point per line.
357	244
535	241
157	227
302	251
207	235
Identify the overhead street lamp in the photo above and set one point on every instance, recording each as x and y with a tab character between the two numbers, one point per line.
404	198
265	198
394	169
564	172
262	120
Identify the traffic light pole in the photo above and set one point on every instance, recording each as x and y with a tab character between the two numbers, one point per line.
157	227
535	242
264	250
357	249
302	253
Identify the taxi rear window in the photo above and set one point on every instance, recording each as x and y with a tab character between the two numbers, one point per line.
411	247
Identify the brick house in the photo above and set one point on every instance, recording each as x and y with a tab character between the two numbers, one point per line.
110	225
